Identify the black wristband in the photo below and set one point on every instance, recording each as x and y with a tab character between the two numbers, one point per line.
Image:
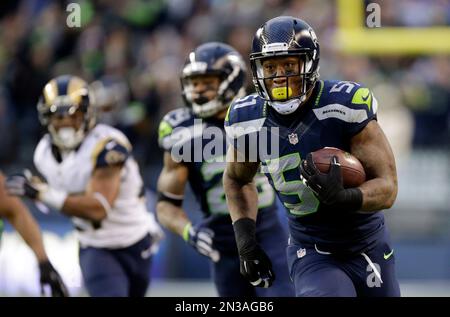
173	200
245	234
351	199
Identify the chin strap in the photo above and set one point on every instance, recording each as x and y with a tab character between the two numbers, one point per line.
287	107
208	109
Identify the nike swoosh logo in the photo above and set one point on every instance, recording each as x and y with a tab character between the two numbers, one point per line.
366	97
387	256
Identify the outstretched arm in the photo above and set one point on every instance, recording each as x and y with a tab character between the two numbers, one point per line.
17	214
94	204
20	218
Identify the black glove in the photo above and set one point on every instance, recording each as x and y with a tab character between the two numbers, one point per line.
329	187
21	185
200	238
49	276
255	265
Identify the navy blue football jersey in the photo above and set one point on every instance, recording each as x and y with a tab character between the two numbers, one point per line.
335	112
201	145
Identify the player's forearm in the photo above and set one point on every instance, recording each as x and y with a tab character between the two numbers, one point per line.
372	148
242	198
172	217
85	206
378	194
26	226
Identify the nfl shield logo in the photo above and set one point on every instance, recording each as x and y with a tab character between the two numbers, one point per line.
293	138
301	253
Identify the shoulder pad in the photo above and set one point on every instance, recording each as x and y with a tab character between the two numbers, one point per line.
347	101
179	117
110	152
103	132
245	114
173	122
243	124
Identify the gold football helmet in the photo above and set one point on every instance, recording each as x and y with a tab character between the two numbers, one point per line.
61	97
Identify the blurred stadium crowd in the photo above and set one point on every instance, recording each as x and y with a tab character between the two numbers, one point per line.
136	48
133	50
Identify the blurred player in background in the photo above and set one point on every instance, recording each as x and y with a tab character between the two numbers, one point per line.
92	178
213	76
18	215
339	245
111	97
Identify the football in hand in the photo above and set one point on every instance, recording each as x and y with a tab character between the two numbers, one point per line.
353	173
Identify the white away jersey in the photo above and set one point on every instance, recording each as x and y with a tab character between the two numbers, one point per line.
128	221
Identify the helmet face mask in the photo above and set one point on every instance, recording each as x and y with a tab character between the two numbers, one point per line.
111	97
202	90
65	110
207	63
281	86
281	38
66	126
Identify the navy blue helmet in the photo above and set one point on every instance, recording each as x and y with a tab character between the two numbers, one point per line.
286	36
214	58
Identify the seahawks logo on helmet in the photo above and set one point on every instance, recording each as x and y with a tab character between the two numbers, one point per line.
64	96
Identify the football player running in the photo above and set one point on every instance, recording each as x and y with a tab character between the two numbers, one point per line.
339	245
92	178
213	76
18	215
